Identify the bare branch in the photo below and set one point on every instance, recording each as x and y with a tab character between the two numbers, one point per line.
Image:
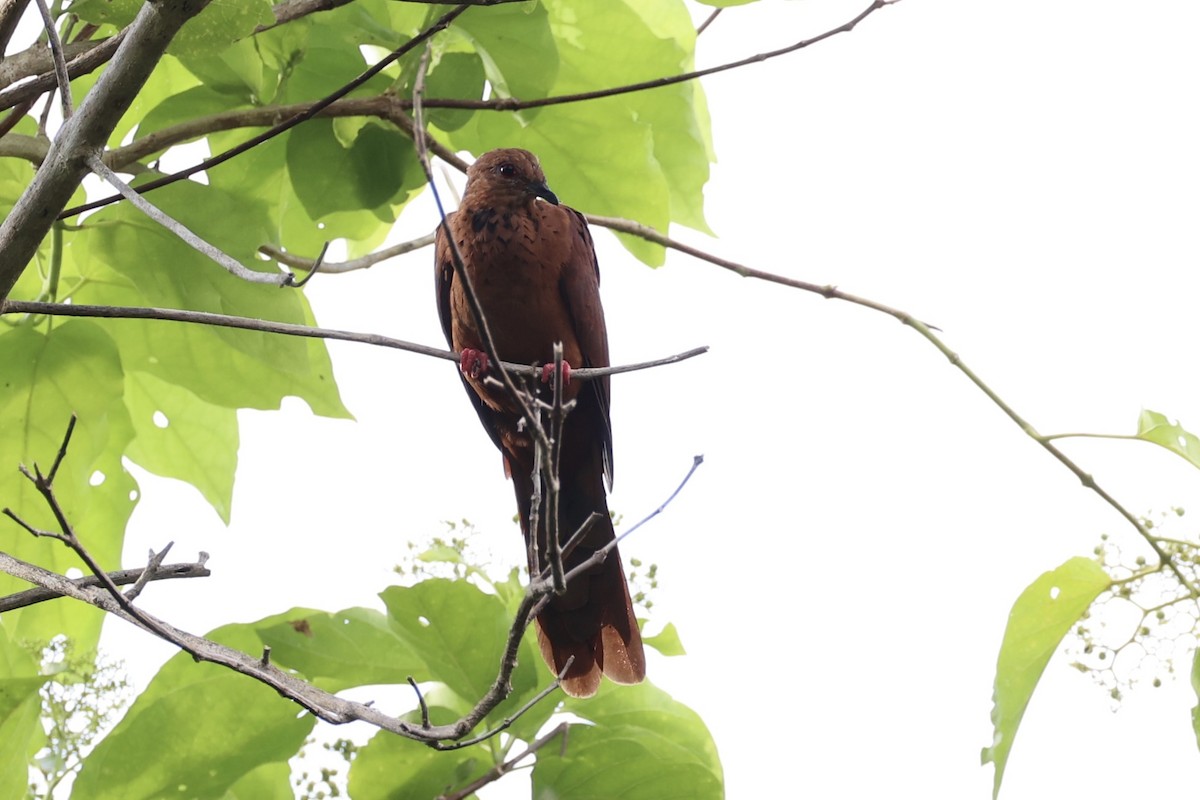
10	15
60	61
120	578
92	55
223	259
290	329
336	267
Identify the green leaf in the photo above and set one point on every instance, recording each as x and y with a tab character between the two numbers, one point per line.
643	744
460	632
391	767
195	731
116	12
517	47
271	781
45	377
354	647
20	706
221	23
458	76
1039	620
1156	428
181	436
667	641
328	177
129	260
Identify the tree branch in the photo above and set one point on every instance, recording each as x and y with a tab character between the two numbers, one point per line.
86	132
336	267
123	577
290	329
92	55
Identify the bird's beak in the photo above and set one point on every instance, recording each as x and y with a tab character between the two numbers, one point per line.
543	191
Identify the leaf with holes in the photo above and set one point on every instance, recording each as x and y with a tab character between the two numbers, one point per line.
1039	620
1155	427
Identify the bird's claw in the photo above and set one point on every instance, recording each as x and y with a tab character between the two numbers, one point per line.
548	373
472	362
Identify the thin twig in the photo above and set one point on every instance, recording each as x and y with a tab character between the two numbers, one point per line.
337	267
306	331
314	268
82	64
520	712
123	577
223	259
598	557
152	566
500	770
391	107
60	61
558	417
420	701
708	21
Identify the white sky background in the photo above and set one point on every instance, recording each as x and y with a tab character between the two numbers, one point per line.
1021	174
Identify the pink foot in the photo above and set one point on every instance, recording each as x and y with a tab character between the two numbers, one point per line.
548	373
472	362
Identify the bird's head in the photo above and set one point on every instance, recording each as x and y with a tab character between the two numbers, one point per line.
508	177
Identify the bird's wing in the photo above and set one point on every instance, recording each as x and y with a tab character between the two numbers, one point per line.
580	287
444	278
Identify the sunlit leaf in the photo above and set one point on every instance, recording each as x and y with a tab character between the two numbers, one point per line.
20	732
1039	620
181	436
643	744
75	369
666	641
1156	428
353	647
196	730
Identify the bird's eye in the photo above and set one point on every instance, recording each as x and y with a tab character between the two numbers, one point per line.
507	170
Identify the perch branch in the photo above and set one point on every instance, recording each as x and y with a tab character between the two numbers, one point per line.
290	329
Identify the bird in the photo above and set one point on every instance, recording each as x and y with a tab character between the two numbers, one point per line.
532	263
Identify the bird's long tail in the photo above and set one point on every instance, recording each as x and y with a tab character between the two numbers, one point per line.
594	620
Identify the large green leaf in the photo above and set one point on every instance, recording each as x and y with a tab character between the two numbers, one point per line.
44	378
221	23
1157	428
195	731
460	632
391	767
181	436
329	177
354	647
1040	618
517	46
642	744
129	260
